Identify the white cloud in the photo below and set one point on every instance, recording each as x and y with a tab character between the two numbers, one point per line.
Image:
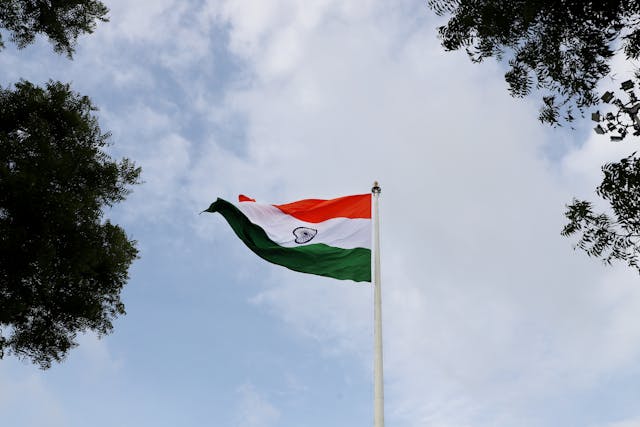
486	306
254	410
626	423
342	332
273	34
150	21
27	401
96	359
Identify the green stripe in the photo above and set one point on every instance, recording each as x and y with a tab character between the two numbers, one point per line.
345	264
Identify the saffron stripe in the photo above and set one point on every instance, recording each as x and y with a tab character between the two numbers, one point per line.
320	259
316	210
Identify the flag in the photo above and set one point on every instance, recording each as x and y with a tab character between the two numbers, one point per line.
329	238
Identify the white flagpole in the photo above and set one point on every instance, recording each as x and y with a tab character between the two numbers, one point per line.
378	383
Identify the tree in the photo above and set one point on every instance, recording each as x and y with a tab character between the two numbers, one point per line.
613	237
62	21
561	47
602	236
62	266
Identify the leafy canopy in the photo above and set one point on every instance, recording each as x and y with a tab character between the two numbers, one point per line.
602	236
62	21
561	47
62	266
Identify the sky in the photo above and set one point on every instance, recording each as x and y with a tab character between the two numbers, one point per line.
490	318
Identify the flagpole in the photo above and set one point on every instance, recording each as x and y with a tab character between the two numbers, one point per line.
378	383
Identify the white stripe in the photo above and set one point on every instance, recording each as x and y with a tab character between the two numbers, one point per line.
345	233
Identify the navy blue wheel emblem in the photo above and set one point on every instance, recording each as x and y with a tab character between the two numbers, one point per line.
304	234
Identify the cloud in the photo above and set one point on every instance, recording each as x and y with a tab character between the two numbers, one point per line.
27	401
626	423
487	309
96	358
31	397
254	410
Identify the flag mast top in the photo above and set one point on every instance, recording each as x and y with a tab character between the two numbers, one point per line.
376	190
378	382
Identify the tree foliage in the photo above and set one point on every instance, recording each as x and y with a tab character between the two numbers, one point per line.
62	266
561	50
602	236
62	21
560	47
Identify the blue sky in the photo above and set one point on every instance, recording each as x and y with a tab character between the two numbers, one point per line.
490	317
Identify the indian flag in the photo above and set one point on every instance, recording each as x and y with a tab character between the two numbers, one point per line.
325	237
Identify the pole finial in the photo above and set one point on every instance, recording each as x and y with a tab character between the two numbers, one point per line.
376	188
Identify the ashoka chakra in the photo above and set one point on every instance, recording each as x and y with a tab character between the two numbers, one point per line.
304	234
